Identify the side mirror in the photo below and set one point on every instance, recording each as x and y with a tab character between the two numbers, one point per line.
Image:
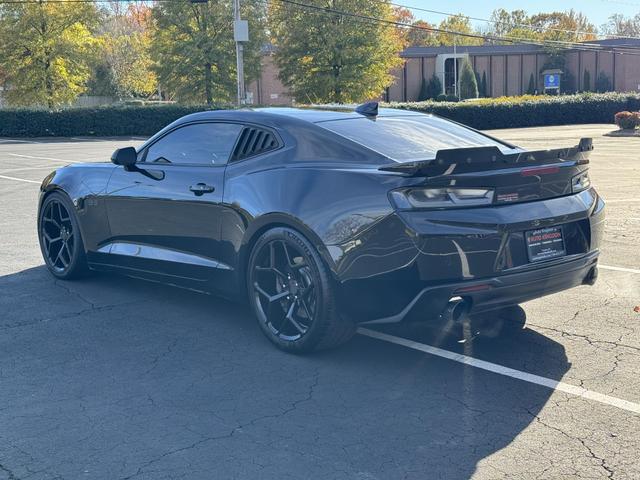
126	157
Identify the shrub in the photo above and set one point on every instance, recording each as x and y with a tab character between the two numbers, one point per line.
568	83
451	98
586	81
603	84
424	92
532	111
441	98
483	85
101	121
628	120
531	89
434	87
468	85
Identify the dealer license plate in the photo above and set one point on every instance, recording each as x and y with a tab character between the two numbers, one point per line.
545	243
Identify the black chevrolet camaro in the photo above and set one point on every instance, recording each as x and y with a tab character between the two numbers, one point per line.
325	219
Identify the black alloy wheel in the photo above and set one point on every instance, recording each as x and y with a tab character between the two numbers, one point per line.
292	295
60	240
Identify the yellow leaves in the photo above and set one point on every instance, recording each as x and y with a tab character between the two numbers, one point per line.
46	51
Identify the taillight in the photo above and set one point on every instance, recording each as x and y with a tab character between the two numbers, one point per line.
580	182
417	198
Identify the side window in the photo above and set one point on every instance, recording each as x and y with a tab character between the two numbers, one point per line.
200	143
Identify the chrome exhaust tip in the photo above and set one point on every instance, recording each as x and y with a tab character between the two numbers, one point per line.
456	310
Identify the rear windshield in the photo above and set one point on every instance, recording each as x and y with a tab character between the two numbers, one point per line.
409	138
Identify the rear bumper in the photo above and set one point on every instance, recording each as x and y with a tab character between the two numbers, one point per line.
492	293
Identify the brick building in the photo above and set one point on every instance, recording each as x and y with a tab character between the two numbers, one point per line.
507	68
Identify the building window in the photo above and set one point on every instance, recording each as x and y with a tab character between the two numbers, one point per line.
451	75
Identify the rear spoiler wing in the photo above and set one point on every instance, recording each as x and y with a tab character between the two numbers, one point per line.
479	159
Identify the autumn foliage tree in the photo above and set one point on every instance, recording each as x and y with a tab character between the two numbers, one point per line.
194	52
125	56
324	56
46	51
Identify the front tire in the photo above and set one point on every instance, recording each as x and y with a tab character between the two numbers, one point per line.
293	295
60	239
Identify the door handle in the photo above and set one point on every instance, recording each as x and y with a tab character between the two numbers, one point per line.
201	188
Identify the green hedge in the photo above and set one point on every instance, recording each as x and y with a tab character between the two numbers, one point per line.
101	121
485	114
541	111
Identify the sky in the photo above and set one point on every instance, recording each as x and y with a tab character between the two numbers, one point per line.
598	11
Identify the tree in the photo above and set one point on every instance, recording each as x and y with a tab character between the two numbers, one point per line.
603	83
511	24
332	58
568	26
424	92
126	58
586	81
531	89
434	87
468	85
459	24
483	85
568	82
194	51
46	50
622	26
420	36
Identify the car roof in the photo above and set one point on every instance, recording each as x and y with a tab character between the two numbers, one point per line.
274	115
324	113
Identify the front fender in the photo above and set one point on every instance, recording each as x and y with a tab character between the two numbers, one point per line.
85	185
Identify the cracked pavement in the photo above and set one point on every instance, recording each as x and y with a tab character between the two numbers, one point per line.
115	378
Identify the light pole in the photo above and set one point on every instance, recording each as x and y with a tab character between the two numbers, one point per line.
240	34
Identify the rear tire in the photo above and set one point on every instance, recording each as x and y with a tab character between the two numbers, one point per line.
292	294
60	239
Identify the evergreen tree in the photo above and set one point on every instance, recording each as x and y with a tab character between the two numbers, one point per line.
586	81
434	87
424	91
483	85
531	89
603	84
468	85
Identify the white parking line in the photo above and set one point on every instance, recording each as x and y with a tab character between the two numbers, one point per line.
21	169
506	371
12	140
619	269
623	200
44	158
20	179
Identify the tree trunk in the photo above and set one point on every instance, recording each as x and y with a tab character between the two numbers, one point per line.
207	84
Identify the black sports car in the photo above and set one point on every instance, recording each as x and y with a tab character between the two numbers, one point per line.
325	219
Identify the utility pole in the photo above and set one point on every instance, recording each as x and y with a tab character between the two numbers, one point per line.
240	35
455	68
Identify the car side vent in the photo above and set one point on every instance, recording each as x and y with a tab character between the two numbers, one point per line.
254	141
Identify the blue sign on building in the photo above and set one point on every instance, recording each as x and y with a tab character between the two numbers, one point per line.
551	80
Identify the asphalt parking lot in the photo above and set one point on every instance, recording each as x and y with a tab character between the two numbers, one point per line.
115	378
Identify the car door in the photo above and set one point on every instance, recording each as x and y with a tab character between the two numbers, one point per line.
165	214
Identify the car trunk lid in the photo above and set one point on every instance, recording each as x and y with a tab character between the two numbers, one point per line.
516	177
